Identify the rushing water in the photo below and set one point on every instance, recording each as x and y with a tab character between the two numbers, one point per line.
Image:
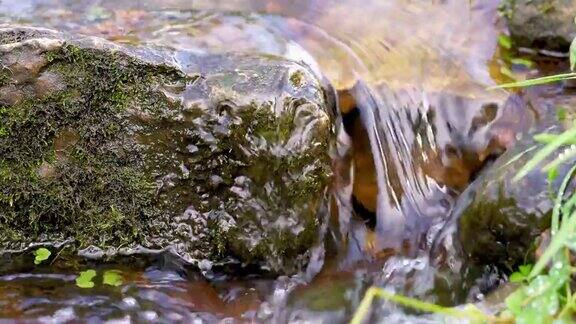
418	124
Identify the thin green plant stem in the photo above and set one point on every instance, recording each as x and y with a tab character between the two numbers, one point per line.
374	292
558	202
563	157
536	81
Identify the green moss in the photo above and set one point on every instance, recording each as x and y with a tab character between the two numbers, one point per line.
506	8
251	148
108	161
297	79
505	216
493	222
5	75
95	185
288	189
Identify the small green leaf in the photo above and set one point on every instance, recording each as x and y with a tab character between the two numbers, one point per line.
548	303
112	278
539	286
505	41
84	280
517	277
525	269
41	255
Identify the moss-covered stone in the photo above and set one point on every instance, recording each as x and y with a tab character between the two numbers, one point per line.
216	158
504	217
543	24
4	76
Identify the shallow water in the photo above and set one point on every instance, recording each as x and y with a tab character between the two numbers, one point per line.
418	124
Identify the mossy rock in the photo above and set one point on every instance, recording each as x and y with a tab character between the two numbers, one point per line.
503	218
541	24
217	157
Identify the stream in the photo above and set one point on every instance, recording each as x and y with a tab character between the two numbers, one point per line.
416	125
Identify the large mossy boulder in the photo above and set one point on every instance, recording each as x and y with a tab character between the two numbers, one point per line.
211	157
500	219
543	24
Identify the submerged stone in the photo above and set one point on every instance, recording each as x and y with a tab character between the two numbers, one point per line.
211	157
544	24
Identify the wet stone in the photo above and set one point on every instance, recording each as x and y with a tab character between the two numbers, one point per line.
499	219
217	157
24	65
10	95
48	83
543	24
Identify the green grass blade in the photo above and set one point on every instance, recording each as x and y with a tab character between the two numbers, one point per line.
537	81
364	307
416	304
545	152
546	138
567	155
558	201
569	205
558	242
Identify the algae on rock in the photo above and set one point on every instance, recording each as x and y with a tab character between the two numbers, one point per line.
217	157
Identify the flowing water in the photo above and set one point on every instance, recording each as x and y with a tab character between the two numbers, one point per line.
418	124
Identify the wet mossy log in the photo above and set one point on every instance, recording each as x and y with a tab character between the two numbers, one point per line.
217	157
